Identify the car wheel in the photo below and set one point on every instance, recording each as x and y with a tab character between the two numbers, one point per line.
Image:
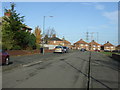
7	60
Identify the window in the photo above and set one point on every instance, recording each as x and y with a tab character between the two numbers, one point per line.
81	44
111	47
54	41
86	45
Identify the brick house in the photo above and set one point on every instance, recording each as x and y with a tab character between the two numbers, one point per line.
66	43
26	28
81	44
118	48
108	46
55	41
94	45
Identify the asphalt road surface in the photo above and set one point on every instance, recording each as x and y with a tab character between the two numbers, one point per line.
68	70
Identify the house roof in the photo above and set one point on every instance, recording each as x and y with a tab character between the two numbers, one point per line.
81	42
93	43
27	27
55	39
118	47
67	42
108	44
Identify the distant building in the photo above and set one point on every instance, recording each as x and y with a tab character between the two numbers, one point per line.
55	41
118	48
94	45
81	44
66	43
26	28
108	46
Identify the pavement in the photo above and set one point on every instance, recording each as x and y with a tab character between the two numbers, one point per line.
68	70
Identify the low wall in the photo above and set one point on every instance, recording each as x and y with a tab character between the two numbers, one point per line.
26	52
116	57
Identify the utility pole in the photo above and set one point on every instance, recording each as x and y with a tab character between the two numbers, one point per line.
97	37
43	32
87	36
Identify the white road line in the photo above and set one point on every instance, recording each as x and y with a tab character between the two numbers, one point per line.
32	63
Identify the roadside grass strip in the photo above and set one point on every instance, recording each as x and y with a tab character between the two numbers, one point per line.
32	63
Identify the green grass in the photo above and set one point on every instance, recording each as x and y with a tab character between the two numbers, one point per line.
107	53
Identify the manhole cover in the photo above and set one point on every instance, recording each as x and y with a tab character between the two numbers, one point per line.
62	59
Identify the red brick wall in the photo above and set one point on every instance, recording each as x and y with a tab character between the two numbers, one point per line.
25	52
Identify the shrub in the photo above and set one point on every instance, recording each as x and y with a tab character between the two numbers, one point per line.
16	47
38	46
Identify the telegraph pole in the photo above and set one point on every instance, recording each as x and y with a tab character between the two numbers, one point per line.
87	36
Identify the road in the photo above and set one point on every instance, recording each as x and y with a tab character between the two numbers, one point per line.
68	70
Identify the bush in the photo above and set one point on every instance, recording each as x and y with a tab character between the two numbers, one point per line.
4	48
38	46
16	47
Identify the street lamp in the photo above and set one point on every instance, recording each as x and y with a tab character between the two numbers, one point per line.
43	31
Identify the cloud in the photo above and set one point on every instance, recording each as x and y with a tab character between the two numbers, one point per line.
99	7
86	3
112	16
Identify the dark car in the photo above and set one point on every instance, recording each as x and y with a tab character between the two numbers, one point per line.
65	49
97	50
4	57
83	49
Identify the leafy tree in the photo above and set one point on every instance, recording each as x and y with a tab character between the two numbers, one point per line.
7	36
12	23
38	35
13	35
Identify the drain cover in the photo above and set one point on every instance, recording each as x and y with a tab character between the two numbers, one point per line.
62	59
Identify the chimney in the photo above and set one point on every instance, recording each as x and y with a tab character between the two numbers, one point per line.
54	35
8	13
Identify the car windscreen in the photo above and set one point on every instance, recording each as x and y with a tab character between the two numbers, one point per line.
58	47
65	47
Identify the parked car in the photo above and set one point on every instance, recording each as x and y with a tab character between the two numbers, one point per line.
83	49
97	50
4	57
106	50
59	49
65	49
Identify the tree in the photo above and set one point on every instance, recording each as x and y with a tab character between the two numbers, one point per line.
12	23
49	34
13	35
38	35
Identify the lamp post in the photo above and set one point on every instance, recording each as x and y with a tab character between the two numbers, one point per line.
43	32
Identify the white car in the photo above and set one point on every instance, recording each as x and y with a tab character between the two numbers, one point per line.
59	49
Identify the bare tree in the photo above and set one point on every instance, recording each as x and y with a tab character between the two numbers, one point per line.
50	32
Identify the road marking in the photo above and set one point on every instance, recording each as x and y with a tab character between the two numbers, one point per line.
32	63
